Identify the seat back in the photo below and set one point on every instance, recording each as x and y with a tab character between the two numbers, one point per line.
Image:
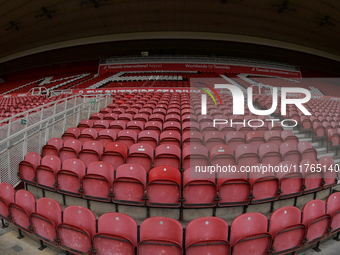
160	230
211	231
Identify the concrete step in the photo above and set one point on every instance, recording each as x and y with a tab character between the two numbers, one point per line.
300	135
320	155
305	139
321	149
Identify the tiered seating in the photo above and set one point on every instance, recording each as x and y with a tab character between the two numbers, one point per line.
158	79
59	81
14	105
77	229
323	123
144	131
92	81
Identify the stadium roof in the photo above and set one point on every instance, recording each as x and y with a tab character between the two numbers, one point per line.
28	27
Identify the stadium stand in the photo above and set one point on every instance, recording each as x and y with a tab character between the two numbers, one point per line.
135	160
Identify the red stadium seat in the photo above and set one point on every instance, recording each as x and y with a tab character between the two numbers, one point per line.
110	116
319	129
141	154
173	117
333	209
52	147
255	138
249	231
192	138
87	135
105	111
160	235
149	137
100	125
273	137
207	127
117	125
190	126
305	122
244	129
207	235
117	232
96	116
22	209
330	172
157	118
128	137
6	197
312	175
307	150
169	155
70	149
289	136
246	155
106	136
316	220
27	168
275	126
286	229
70	176
170	137
156	126
269	154
195	155
225	129
46	219
212	138
47	171
235	138
98	181
233	188
222	155
129	184
164	187
333	137
136	126
77	229
291	180
85	124
198	191
126	117
264	184
115	153
91	152
289	152
172	126
71	133
141	117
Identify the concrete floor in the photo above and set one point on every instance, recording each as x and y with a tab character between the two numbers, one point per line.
11	245
329	247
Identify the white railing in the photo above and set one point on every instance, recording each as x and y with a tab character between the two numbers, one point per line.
198	59
39	125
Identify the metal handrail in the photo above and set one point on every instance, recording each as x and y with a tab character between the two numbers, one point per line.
48	118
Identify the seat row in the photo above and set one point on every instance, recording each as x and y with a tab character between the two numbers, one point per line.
153	150
77	229
136	182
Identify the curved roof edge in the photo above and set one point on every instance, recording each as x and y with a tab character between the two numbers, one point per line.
172	35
